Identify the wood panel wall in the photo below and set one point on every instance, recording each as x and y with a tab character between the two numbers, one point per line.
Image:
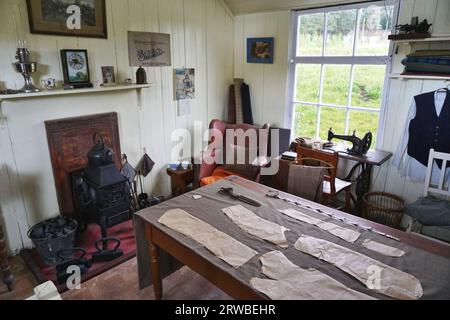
202	38
267	81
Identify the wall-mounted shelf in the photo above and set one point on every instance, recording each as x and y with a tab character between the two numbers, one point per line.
432	39
417	77
62	92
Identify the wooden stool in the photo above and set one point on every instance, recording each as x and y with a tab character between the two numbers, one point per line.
180	179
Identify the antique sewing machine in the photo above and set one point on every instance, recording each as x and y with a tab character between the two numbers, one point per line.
360	146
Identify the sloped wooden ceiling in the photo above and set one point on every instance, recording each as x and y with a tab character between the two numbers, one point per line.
240	7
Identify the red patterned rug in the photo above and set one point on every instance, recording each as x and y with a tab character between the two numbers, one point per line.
86	240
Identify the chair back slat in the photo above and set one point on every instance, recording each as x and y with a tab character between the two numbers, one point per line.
331	159
441	188
442	178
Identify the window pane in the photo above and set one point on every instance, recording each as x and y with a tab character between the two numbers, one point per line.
340	33
308	82
310	35
374	26
305	122
363	122
336	84
332	118
368	83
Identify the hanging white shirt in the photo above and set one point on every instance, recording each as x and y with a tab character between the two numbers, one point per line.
407	165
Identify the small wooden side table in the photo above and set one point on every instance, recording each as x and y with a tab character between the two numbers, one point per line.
5	267
180	179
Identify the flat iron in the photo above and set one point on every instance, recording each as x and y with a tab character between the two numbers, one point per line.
66	256
103	254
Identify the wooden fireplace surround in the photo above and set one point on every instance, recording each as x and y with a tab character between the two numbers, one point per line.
69	141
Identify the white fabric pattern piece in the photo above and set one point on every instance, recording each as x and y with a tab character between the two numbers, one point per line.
222	245
291	282
253	224
383	249
372	273
346	234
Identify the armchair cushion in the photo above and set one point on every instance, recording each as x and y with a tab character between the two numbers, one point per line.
218	174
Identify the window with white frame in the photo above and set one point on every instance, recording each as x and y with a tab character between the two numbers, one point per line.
338	70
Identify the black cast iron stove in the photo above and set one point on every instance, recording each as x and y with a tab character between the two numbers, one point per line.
102	193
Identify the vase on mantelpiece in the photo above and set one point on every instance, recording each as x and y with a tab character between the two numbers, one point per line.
141	76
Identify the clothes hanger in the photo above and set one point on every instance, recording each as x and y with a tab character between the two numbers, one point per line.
447	89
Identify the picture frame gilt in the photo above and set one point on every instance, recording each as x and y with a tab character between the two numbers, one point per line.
58	17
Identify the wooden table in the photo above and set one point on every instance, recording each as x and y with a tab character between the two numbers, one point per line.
157	240
363	179
180	179
5	267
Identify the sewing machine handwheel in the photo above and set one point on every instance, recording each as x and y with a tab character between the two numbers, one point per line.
367	142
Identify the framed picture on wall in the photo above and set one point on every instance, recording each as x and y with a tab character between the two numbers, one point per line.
260	50
184	79
80	18
75	66
108	76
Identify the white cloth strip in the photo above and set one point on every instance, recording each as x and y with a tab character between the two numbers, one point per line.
291	282
346	234
372	273
256	226
222	245
383	249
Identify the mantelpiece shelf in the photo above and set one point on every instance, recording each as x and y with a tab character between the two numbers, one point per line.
418	77
61	92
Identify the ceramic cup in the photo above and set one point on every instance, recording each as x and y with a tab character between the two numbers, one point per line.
49	83
185	165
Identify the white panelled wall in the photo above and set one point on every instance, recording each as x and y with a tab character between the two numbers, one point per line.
202	38
205	36
268	82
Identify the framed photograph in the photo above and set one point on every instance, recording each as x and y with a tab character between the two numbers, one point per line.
184	83
148	49
108	76
260	50
80	18
75	65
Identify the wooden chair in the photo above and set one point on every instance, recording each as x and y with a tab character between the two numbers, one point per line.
332	185
440	190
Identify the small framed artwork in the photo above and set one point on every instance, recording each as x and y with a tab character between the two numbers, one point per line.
260	50
108	76
78	18
184	83
75	66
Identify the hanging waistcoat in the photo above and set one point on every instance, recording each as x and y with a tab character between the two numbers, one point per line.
428	130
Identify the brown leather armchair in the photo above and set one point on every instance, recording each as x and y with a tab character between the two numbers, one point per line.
248	170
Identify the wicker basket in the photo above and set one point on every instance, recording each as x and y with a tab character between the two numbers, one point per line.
383	208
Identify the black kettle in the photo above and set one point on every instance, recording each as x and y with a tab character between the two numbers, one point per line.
100	154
